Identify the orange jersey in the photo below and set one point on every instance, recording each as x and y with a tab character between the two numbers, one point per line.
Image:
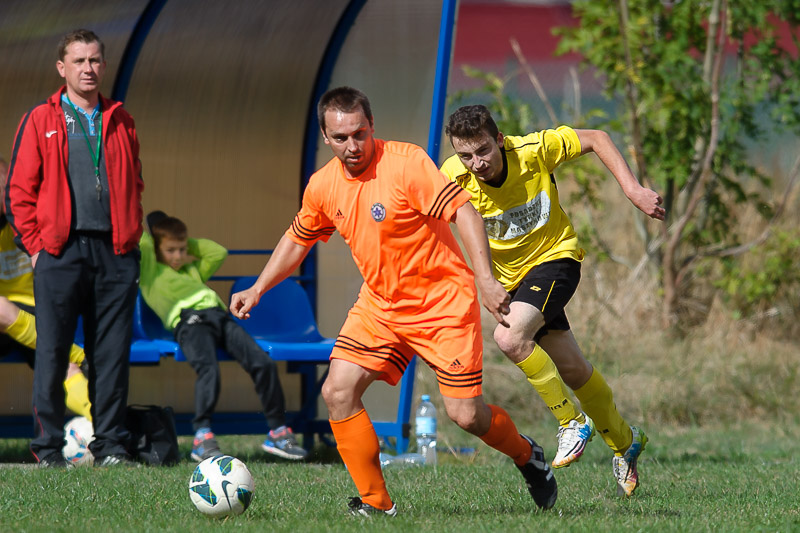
395	218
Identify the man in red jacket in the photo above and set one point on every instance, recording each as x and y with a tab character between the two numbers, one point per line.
74	200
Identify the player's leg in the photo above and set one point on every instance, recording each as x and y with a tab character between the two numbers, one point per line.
18	322
517	343
198	341
280	440
494	426
59	285
454	350
76	389
539	302
355	436
108	329
597	400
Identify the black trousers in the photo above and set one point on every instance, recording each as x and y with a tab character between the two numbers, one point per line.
199	334
87	279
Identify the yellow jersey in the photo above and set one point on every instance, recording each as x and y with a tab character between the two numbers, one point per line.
523	216
16	273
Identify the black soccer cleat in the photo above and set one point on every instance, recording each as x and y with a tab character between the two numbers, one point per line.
359	508
539	477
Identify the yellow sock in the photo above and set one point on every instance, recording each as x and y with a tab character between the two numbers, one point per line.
597	401
77	390
76	354
23	330
544	377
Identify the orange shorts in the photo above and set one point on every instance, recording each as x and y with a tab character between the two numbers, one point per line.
453	348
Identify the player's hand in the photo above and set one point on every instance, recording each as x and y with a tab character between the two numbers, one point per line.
242	302
34	258
648	202
496	300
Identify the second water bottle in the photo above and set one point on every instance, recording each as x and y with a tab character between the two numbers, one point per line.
425	429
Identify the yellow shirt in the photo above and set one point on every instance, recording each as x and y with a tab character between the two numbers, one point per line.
16	274
523	216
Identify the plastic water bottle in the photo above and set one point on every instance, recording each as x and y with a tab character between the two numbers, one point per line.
425	425
402	460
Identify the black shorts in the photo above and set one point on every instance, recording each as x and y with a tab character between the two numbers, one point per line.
548	287
9	345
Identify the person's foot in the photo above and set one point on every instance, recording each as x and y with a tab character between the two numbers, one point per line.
204	445
54	460
359	508
539	477
283	444
625	467
116	459
572	441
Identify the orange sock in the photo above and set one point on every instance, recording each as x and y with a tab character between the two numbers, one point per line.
504	437
358	445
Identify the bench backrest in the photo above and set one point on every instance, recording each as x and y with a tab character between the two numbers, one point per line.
146	324
283	314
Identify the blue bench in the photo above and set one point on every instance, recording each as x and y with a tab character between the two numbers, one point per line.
283	324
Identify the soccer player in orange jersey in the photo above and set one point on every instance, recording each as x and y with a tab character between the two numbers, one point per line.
393	208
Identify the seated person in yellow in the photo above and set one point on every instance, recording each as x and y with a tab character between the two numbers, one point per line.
536	256
174	271
17	322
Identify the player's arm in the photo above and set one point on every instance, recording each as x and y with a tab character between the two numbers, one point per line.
285	259
599	142
473	235
22	189
208	256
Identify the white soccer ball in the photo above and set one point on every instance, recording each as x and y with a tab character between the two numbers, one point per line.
78	433
221	486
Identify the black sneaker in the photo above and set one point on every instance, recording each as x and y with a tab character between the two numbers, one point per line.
115	459
359	508
539	478
54	460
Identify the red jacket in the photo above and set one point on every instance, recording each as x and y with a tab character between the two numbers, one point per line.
38	197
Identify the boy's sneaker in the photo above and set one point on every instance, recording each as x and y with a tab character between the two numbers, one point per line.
625	470
116	459
359	508
204	445
539	478
572	441
283	444
54	460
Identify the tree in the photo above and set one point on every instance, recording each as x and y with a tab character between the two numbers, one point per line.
700	82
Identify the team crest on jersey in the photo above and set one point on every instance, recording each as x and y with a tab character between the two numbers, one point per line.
378	211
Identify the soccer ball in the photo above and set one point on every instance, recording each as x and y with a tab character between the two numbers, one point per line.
78	433
221	486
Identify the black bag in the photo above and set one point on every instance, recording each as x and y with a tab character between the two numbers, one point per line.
153	436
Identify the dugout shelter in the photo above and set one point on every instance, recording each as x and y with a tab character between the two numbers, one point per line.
223	95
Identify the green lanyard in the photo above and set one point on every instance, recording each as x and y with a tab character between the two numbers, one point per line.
92	152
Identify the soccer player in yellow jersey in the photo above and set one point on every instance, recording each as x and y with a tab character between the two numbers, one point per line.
393	208
17	323
537	259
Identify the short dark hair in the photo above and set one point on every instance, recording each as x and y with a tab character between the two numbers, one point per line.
470	121
344	99
169	228
79	36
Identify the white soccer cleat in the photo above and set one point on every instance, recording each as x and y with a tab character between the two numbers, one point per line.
572	441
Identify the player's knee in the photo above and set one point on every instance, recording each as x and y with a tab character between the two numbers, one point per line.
8	312
333	394
507	339
465	418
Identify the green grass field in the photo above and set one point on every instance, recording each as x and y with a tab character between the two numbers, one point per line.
728	479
